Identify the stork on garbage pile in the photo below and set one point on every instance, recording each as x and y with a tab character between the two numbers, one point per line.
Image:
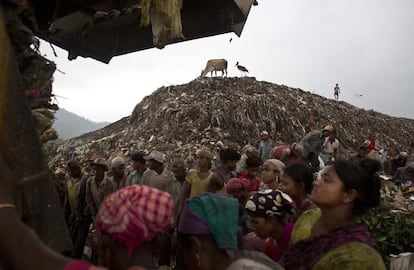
243	70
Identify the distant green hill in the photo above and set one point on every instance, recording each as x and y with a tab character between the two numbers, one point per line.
69	125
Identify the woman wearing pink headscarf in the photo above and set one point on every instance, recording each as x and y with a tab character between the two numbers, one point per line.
128	220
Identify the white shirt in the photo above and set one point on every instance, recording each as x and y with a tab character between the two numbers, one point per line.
330	147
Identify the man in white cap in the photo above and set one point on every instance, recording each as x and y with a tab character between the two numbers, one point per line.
157	175
98	186
117	173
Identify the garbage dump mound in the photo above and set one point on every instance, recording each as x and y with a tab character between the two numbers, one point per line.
179	119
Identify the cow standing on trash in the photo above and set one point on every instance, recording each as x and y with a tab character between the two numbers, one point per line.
215	65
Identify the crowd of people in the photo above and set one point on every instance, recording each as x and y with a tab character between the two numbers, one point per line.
286	206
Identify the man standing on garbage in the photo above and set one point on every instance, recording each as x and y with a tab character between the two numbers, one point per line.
336	91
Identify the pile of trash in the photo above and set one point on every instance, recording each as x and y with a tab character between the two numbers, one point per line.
395	197
178	120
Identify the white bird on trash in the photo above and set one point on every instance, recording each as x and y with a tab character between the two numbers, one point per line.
242	69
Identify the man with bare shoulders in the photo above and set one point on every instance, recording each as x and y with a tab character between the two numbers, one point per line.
337	90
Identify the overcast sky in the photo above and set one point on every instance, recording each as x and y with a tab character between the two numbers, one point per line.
364	45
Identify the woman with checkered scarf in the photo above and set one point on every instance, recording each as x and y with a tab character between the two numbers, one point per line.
129	222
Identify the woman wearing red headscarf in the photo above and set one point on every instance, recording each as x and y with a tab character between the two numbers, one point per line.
372	147
129	221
